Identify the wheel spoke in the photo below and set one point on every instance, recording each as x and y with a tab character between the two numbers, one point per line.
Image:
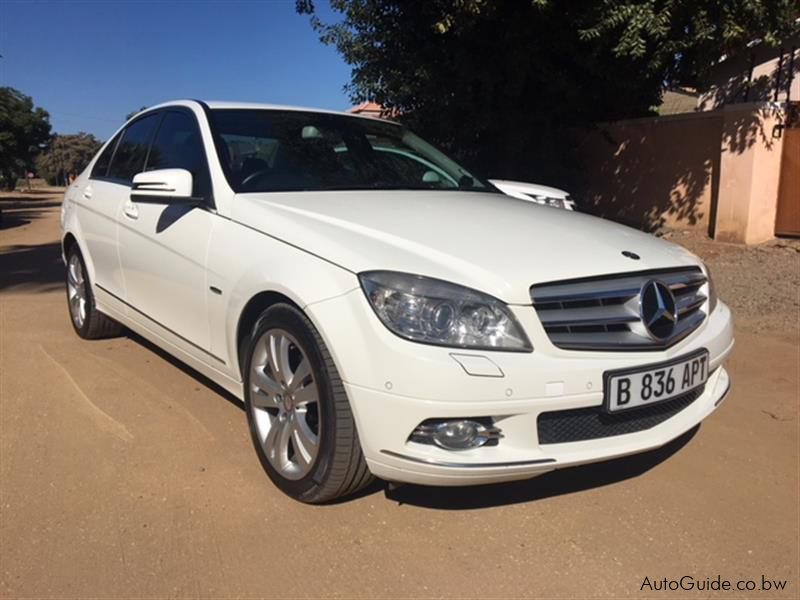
277	442
259	358
300	375
306	395
264	382
262	400
71	274
279	357
306	441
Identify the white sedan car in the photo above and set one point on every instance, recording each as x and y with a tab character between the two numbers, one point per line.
377	318
535	192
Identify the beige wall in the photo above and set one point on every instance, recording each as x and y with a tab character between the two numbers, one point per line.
717	170
653	172
749	173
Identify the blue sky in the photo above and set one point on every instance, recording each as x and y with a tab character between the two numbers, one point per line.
90	63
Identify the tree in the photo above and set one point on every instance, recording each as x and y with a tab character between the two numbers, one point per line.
503	85
66	154
24	130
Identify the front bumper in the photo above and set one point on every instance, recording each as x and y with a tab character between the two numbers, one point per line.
394	385
518	456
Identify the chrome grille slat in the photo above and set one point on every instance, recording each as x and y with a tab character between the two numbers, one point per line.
603	313
597	295
689	303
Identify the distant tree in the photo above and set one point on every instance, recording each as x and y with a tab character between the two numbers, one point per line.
24	130
66	154
502	84
130	115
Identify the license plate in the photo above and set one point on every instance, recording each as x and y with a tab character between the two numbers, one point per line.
643	386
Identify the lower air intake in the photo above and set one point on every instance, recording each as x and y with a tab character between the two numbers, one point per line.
580	424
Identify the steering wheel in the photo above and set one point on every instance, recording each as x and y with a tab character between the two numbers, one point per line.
254	175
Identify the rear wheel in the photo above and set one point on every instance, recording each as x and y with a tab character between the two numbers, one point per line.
88	322
299	415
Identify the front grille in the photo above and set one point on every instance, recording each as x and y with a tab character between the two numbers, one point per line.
603	313
580	424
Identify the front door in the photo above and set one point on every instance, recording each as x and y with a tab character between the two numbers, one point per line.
163	247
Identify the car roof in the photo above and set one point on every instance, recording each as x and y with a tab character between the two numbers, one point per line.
224	104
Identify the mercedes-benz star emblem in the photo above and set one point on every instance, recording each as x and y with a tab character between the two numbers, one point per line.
657	308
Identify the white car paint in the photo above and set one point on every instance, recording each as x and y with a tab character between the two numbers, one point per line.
541	194
310	246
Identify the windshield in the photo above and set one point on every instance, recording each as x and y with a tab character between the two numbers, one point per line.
282	150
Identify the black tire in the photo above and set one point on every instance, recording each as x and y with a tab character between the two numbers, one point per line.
95	325
339	468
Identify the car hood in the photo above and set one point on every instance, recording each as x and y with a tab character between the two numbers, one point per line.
490	242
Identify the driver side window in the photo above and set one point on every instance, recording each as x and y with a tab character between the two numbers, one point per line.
132	149
178	145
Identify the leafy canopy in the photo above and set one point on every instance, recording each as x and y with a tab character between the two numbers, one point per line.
66	154
502	84
24	130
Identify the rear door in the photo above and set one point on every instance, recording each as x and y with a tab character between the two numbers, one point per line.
102	199
163	247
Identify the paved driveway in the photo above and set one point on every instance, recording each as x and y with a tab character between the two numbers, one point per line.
123	474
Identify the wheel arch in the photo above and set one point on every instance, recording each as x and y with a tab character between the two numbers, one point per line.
249	315
69	241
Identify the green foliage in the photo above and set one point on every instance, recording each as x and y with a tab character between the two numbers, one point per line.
502	84
23	132
66	155
683	39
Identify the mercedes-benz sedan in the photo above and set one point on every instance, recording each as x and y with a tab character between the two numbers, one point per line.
380	310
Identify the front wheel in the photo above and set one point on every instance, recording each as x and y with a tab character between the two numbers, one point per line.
298	412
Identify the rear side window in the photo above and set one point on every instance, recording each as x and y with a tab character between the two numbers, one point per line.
100	168
178	145
132	149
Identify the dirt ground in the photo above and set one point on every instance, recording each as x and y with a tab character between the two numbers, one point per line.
124	475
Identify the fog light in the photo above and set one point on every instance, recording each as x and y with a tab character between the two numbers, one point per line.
456	434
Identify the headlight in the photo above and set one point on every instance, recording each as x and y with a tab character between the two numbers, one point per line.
712	291
432	311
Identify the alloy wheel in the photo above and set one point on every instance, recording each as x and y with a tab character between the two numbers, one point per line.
76	290
284	399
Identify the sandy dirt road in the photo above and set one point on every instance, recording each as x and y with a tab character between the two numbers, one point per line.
124	475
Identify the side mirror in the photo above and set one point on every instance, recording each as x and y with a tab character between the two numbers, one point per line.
163	186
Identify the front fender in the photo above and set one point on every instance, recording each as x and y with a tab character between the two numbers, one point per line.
245	263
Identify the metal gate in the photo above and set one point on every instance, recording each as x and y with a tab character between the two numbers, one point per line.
787	220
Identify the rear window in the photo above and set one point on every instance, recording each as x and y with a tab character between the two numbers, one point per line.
100	168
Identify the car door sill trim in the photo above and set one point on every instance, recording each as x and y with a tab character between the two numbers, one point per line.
164	327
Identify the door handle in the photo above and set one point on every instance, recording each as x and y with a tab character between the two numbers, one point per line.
131	210
87	193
